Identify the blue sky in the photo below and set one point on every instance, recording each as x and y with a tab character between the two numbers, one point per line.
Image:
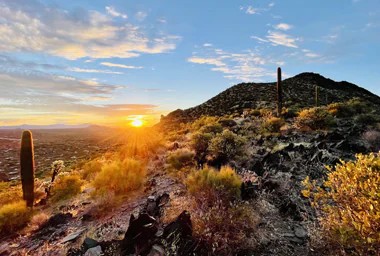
108	61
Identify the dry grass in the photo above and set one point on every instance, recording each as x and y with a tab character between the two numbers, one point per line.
14	216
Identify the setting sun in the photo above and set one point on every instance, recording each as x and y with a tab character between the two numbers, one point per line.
137	123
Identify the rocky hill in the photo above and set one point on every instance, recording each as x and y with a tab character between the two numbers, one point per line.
297	91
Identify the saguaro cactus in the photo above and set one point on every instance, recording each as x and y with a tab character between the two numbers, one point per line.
27	167
279	92
316	95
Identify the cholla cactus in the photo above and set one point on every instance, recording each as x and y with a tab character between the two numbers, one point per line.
27	167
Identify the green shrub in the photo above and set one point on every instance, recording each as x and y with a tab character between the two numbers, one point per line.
226	146
91	168
315	118
120	176
200	142
212	184
272	124
14	216
366	119
204	121
340	110
180	158
349	204
66	186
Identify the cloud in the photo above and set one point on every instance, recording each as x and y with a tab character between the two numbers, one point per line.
109	64
111	11
207	45
82	70
278	38
283	26
251	10
140	16
244	66
29	26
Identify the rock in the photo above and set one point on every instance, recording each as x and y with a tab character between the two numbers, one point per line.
300	232
89	243
140	234
73	236
57	220
95	251
157	250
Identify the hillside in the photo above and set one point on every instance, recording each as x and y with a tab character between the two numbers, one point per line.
298	91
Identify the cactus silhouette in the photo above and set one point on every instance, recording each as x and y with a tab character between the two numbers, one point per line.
316	95
27	167
279	92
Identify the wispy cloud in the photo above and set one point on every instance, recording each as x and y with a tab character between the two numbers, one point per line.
251	10
140	16
64	33
256	10
283	26
111	11
244	66
278	38
83	70
109	64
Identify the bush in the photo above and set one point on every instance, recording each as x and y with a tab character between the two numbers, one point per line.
66	186
14	216
349	205
91	168
204	121
347	109
226	146
315	118
120	176
200	142
272	124
211	184
9	194
180	158
366	119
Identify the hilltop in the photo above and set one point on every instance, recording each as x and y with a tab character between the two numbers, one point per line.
298	91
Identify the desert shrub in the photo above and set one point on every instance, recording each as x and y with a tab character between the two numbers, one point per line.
339	109
289	112
180	158
120	176
366	119
212	128
254	112
200	142
212	184
358	106
66	186
272	124
105	203
348	204
14	216
204	121
315	118
9	194
91	168
266	112
372	137
226	146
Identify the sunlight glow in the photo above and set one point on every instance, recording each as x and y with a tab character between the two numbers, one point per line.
137	123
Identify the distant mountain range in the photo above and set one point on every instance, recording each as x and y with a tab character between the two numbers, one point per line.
297	91
51	126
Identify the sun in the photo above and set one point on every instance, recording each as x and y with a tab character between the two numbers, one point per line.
137	123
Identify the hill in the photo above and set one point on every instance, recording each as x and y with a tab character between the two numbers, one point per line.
298	91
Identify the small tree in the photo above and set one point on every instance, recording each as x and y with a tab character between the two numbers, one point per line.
200	142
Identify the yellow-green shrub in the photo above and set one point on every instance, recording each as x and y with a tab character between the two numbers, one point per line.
91	168
9	194
315	118
273	124
66	186
204	121
120	176
212	184
14	216
226	146
349	203
180	158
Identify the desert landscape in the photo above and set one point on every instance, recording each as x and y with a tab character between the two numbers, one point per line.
189	128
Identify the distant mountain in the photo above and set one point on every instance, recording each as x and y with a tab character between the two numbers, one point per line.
51	126
298	90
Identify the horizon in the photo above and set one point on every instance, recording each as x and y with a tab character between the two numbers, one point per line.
114	63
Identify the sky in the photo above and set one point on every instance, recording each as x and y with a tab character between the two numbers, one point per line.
108	62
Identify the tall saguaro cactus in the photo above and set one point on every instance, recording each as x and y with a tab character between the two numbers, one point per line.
27	167
316	95
279	92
